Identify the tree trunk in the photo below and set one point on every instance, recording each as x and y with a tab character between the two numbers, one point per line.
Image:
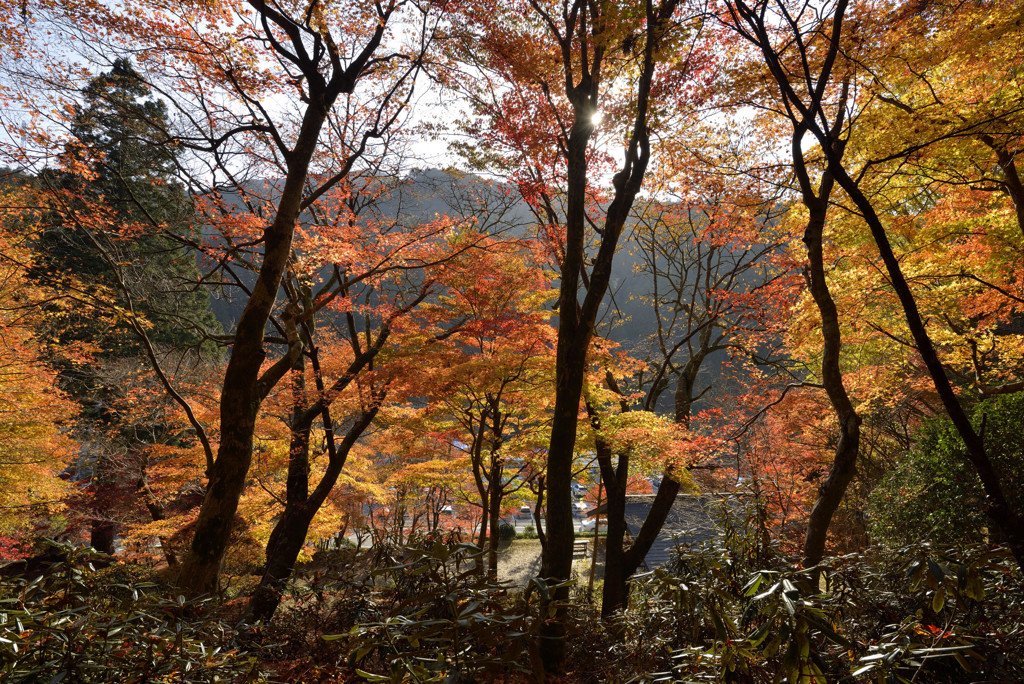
289	534
1011	178
1013	185
283	550
575	319
614	479
613	594
1004	518
102	530
556	558
597	526
621	562
844	462
1002	515
495	513
101	536
291	530
201	566
244	389
542	537
655	520
485	517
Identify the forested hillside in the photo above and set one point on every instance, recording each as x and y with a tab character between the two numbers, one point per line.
383	340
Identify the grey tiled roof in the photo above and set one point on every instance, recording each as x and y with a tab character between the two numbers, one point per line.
692	520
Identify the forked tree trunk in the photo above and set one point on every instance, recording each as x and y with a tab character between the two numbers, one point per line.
290	532
622	562
576	320
244	389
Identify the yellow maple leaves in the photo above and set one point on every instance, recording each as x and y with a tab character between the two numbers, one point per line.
34	415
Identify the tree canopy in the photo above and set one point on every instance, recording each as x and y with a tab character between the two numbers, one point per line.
756	256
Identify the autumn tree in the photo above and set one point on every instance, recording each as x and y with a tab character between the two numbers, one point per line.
947	190
419	477
301	94
119	158
815	40
116	222
367	326
945	82
492	395
629	444
544	122
708	281
34	413
709	266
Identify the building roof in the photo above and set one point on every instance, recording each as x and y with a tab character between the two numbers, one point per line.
692	520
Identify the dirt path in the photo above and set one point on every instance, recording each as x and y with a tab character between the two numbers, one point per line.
520	562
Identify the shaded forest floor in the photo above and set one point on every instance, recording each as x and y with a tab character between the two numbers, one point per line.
733	611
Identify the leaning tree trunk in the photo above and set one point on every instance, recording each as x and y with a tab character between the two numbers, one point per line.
1004	518
655	520
244	388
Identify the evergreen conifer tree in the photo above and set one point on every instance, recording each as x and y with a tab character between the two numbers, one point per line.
121	164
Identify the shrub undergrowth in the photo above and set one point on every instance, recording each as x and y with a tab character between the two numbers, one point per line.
734	610
74	623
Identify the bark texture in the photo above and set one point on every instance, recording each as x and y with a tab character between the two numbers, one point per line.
245	387
844	462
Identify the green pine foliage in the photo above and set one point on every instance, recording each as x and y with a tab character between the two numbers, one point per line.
122	141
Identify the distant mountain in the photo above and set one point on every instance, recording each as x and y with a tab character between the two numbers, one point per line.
425	194
421	197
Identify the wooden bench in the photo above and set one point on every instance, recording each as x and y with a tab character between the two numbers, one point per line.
579	548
